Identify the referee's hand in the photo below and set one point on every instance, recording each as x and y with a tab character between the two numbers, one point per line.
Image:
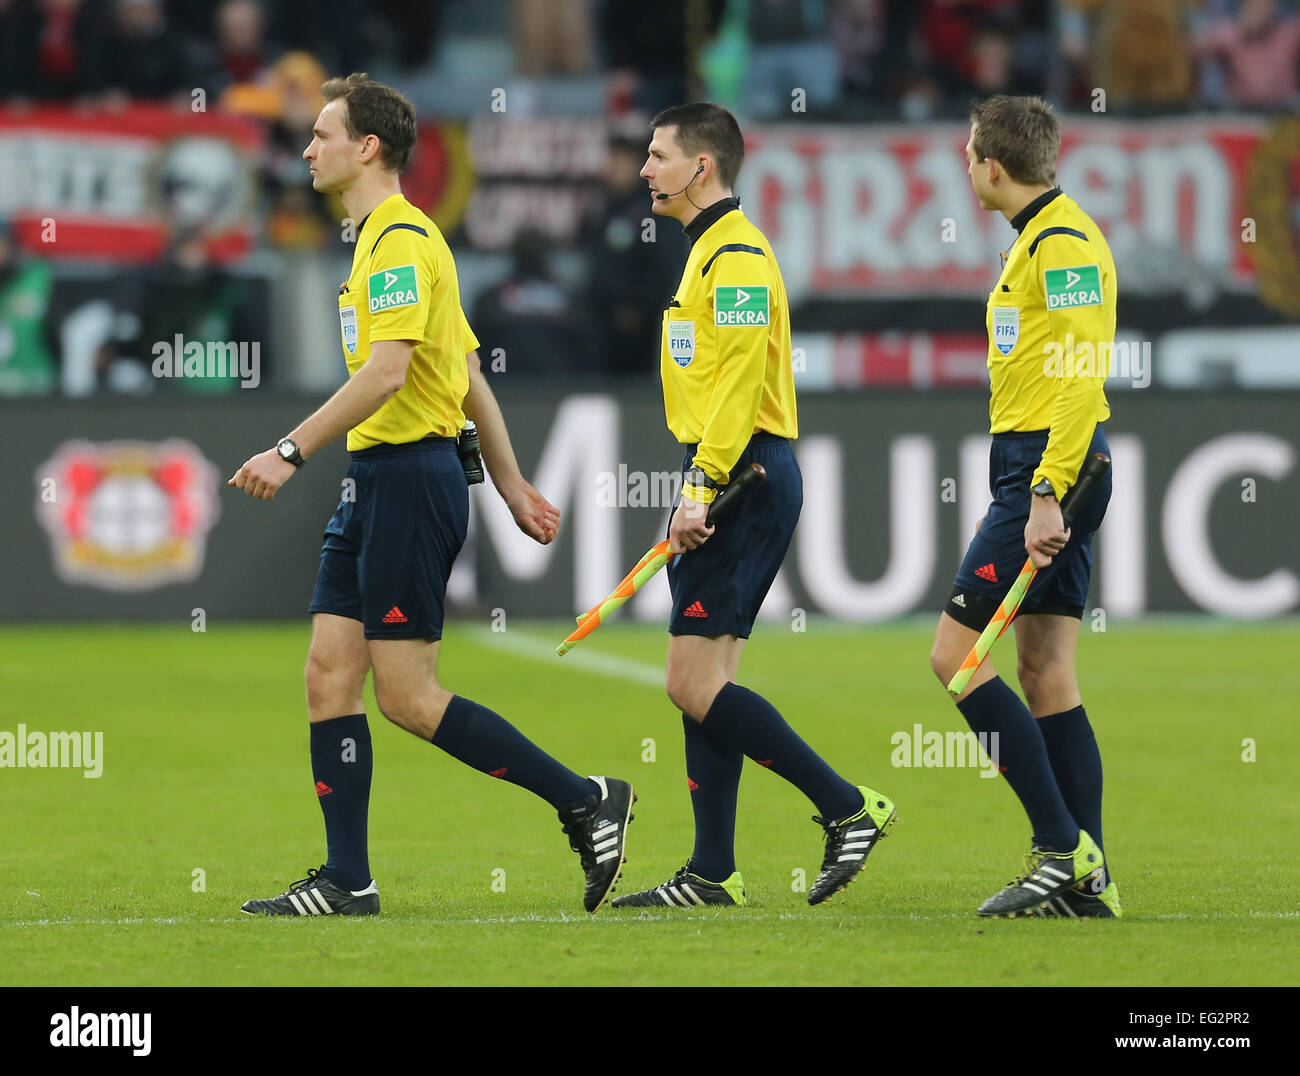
1045	533
689	528
534	514
263	475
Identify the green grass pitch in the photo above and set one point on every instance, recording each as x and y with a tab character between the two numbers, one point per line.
206	769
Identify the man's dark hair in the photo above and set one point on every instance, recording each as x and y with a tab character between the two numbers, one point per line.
707	128
379	110
1020	133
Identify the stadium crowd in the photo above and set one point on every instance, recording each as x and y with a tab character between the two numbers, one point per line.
854	61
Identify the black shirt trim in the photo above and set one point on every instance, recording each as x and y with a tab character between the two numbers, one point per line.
1054	231
731	246
1027	214
393	227
709	216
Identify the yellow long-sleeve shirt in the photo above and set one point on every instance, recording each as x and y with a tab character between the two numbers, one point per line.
1051	326
725	355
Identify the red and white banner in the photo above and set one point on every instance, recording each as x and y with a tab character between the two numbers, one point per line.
889	211
117	183
1195	205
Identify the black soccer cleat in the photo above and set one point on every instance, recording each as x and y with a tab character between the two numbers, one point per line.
317	895
1084	901
686	890
1047	875
848	842
597	830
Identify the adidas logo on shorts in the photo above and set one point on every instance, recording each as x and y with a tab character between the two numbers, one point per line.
959	599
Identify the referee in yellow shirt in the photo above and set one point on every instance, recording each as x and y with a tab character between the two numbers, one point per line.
728	384
1050	315
389	547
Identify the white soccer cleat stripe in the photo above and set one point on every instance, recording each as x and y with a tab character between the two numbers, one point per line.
293	899
1052	870
1036	889
692	894
320	899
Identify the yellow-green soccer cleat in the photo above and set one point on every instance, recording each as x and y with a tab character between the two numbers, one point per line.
849	841
1082	902
1047	875
686	890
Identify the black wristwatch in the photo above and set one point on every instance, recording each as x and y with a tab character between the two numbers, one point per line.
1043	489
288	450
696	476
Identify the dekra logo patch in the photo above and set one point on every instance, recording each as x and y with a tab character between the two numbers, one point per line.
391	288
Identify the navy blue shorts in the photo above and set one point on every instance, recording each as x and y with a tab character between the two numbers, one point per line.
718	588
388	553
997	552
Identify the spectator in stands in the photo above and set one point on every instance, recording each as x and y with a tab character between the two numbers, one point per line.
792	62
1139	52
859	31
529	324
651	50
243	54
300	219
185	293
50	49
982	47
633	263
1258	53
552	37
26	353
144	58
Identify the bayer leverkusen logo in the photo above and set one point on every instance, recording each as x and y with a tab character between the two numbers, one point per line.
127	515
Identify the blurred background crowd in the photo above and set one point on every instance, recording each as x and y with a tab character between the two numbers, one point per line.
532	133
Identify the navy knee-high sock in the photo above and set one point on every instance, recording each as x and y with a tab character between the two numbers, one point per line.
478	737
993	709
341	764
1076	763
743	721
713	776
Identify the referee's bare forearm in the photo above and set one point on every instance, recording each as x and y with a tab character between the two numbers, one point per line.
364	393
482	409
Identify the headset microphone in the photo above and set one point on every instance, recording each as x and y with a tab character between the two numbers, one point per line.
665	197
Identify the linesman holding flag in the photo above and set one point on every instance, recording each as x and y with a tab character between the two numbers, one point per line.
1054	301
728	383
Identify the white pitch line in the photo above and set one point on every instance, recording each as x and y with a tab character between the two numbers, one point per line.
536	648
502	920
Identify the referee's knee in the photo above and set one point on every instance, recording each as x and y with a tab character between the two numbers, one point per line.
944	662
685	695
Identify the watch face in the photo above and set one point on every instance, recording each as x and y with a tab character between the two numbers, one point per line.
287	450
